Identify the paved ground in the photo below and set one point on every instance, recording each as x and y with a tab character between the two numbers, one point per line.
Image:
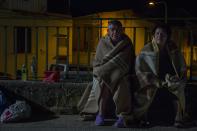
73	123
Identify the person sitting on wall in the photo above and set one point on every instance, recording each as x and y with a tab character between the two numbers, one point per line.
113	67
160	67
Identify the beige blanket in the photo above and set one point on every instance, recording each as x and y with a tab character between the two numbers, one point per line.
147	70
113	68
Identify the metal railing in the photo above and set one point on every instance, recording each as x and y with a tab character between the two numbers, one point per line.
9	54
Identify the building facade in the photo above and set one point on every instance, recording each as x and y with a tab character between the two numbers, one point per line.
27	30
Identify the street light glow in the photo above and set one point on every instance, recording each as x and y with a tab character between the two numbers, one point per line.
151	3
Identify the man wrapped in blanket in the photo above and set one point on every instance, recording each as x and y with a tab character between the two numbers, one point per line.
160	66
113	69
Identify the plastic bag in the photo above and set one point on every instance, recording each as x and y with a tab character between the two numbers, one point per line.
17	111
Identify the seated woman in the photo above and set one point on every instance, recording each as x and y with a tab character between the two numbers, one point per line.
160	67
112	70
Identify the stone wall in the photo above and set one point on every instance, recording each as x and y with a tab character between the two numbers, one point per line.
59	98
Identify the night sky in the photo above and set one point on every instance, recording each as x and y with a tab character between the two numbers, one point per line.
176	8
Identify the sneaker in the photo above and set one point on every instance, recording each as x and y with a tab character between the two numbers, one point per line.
184	124
120	123
99	120
179	124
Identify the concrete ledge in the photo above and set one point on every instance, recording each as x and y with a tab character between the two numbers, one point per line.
62	98
59	98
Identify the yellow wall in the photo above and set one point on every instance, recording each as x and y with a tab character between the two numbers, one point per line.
93	37
84	21
11	23
128	24
81	22
179	36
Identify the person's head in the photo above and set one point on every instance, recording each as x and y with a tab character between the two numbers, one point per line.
161	34
115	30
